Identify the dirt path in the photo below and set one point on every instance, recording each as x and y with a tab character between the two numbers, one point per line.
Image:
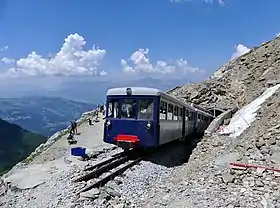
90	137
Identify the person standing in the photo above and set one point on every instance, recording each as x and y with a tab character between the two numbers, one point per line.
72	130
74	127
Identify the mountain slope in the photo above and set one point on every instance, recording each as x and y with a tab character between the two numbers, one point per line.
43	115
16	144
238	82
210	180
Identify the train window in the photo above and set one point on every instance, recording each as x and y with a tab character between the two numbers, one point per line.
187	115
170	112
163	110
110	109
127	108
176	109
146	109
191	116
181	114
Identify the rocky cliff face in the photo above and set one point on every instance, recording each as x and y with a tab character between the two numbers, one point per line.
238	82
208	180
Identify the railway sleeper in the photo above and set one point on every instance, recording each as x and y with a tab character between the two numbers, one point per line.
113	157
101	182
98	165
102	169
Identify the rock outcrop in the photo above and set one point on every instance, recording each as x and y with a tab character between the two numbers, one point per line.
238	82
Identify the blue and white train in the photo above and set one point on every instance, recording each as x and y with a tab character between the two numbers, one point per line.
139	117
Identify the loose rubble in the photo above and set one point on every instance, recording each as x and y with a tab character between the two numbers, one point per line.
208	180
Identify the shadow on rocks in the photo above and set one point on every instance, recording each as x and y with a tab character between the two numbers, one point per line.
175	153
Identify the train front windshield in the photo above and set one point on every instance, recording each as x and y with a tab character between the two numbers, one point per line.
131	108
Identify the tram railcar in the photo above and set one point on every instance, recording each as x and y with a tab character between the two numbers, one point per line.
139	117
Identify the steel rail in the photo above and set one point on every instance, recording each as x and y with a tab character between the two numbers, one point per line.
109	177
102	169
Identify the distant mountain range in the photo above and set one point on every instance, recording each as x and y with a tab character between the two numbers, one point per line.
43	115
16	144
99	93
90	89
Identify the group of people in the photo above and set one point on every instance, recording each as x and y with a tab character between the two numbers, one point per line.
73	124
101	109
95	114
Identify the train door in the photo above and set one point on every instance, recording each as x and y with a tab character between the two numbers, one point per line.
196	122
183	113
148	120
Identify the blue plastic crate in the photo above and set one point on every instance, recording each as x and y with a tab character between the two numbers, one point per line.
78	151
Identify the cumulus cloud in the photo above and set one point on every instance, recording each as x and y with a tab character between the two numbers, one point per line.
220	2
103	73
4	48
72	59
240	50
140	63
6	60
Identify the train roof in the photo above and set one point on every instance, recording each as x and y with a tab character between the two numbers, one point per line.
201	110
204	112
151	92
135	91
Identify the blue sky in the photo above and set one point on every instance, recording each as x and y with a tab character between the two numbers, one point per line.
203	34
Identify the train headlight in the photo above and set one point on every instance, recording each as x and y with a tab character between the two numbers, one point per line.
148	125
108	123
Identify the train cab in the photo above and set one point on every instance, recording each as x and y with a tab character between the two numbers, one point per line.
131	117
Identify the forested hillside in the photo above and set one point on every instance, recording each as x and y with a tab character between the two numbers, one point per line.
16	144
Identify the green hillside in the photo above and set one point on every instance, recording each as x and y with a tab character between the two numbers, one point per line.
42	115
16	144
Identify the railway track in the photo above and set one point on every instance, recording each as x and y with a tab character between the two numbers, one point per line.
103	172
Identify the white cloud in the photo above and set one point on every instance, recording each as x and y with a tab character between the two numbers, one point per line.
4	48
6	60
103	73
220	2
141	64
178	1
240	50
72	59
